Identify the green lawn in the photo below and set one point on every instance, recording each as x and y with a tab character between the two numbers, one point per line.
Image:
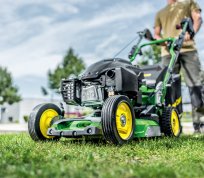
164	157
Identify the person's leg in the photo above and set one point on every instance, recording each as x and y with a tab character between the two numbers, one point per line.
166	61
191	69
196	121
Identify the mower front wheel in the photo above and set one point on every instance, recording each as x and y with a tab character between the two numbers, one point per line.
41	119
118	120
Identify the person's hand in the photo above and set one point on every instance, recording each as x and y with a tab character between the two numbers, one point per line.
187	36
166	43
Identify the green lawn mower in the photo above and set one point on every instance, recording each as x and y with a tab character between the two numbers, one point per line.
128	101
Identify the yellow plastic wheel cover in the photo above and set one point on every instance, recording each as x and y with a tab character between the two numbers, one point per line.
45	121
124	120
175	125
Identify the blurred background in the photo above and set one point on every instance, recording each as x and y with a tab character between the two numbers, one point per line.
40	38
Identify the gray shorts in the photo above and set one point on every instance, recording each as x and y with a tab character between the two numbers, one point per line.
189	65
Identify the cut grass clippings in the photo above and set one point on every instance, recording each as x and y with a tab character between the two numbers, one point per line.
161	157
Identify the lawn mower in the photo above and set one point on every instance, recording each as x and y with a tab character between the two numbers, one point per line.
128	101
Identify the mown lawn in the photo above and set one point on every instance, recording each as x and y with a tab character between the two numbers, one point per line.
164	157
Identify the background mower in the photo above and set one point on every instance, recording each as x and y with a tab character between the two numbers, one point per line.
128	101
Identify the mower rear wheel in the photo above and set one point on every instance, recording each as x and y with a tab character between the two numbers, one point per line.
118	120
41	119
170	122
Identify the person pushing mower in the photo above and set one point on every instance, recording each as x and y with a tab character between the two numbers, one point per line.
188	61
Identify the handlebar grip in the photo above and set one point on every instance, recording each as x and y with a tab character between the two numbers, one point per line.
178	27
131	53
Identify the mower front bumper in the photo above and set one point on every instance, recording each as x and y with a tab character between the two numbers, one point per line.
87	126
88	131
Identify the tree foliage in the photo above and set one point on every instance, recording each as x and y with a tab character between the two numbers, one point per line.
151	56
8	92
71	65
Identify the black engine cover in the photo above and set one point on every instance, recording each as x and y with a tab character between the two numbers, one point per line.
96	69
126	80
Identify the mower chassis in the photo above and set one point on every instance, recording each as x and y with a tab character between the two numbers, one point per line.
91	126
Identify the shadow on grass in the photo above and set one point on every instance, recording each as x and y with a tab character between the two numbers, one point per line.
159	140
84	140
101	141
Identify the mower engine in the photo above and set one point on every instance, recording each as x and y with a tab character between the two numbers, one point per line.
98	83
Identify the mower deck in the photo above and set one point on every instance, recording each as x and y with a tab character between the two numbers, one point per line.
91	126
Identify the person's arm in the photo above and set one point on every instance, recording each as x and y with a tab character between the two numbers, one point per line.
157	32
196	17
197	20
157	27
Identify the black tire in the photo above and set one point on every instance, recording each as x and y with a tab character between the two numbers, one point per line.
170	126
108	119
34	128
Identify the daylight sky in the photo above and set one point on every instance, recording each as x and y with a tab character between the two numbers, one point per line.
35	34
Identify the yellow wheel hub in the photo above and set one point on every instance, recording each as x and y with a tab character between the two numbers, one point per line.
45	121
124	120
175	125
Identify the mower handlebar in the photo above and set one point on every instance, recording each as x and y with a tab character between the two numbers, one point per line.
146	33
189	28
186	25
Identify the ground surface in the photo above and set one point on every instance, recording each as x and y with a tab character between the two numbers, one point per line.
15	128
164	157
